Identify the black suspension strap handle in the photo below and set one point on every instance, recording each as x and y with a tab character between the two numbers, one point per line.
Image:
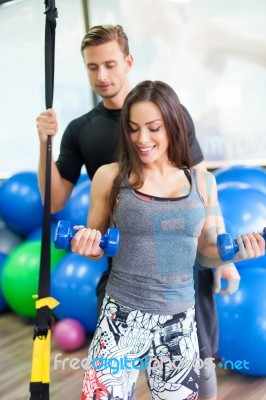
40	372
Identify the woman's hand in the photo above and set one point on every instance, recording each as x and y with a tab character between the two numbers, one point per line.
86	242
251	245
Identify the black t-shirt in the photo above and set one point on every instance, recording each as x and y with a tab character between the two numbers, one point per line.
92	139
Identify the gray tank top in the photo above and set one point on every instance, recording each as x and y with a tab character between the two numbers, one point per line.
153	269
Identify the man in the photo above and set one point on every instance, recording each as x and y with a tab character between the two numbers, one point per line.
92	139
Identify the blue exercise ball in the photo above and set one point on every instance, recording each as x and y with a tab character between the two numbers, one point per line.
73	284
2	222
37	233
244	211
243	176
20	202
82	178
77	207
242	324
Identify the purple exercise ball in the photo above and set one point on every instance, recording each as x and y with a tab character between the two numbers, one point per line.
69	334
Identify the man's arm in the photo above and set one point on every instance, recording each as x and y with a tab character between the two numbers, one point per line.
227	272
251	245
60	188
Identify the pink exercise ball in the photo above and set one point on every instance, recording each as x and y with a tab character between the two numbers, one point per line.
69	334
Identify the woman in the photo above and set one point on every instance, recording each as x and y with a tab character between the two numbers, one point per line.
167	215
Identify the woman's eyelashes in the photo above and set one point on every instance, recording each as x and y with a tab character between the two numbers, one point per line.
155	129
152	130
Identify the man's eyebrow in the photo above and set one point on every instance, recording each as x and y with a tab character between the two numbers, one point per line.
105	62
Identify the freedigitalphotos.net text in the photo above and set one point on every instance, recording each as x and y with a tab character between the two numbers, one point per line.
118	364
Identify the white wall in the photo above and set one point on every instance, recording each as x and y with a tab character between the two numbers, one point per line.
22	34
212	52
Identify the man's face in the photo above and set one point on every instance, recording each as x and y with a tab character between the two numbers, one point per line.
107	68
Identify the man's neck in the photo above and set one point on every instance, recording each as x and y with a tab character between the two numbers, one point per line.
116	102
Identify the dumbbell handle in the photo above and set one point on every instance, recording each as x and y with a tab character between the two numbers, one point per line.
64	234
227	247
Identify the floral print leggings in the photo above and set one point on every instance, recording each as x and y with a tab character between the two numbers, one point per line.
127	341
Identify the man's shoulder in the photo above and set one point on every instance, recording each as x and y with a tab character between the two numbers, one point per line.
82	119
97	114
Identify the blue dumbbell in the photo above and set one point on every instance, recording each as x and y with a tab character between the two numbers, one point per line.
227	247
64	234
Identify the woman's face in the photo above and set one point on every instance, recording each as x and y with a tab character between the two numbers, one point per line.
148	132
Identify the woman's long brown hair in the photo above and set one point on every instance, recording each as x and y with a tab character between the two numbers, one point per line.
129	161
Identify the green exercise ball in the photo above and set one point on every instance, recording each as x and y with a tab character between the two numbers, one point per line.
20	276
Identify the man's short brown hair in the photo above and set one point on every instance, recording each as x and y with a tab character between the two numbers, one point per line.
101	34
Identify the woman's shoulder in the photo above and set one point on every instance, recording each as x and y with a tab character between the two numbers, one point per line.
206	183
108	169
204	175
103	179
106	172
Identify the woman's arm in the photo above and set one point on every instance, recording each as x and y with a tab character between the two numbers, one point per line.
250	246
86	241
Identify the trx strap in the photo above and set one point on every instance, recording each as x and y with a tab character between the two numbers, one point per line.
40	372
